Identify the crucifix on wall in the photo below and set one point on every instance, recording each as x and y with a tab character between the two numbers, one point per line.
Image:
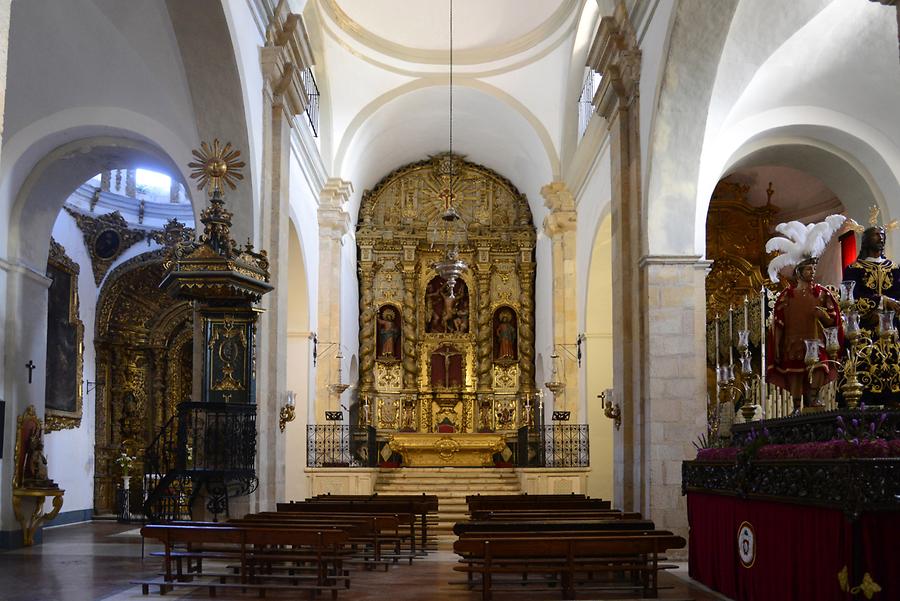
30	367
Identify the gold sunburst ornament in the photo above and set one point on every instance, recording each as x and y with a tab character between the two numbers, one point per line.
217	164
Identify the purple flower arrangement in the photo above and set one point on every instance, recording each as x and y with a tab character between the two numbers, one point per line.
855	438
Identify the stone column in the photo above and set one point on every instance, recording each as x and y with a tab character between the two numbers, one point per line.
334	222
615	54
658	309
131	183
282	59
559	226
674	374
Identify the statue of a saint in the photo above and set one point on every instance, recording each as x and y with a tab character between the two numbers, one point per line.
802	311
877	279
36	462
506	335
388	334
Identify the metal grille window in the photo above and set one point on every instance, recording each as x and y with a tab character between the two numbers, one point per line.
585	101
312	92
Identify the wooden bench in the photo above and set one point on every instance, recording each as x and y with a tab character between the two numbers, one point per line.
536	514
417	511
566	558
550	525
323	548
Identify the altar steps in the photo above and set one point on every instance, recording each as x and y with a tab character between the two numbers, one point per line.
451	485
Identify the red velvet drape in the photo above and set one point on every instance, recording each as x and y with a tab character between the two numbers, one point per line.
799	549
848	248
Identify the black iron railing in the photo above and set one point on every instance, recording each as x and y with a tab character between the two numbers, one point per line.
207	447
558	445
336	445
312	92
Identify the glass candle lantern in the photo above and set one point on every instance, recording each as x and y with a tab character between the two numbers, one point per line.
847	287
886	323
812	351
746	364
851	326
832	345
743	340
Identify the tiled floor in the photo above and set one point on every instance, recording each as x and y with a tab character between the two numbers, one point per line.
96	561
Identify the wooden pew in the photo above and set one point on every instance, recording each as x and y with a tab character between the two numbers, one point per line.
321	547
536	526
566	558
520	503
540	514
414	509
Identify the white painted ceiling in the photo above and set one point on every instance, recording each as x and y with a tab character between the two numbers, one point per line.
386	85
423	24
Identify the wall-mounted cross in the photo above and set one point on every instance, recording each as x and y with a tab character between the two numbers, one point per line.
30	366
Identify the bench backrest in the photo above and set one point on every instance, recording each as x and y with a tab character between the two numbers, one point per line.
556	548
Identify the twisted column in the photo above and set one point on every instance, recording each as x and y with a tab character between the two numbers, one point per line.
410	365
483	336
526	325
367	311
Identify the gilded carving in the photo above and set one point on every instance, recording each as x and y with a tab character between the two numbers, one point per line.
447	335
388	410
506	377
144	364
106	238
388	376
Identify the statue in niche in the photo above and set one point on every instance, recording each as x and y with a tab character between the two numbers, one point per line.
388	333
505	335
446	309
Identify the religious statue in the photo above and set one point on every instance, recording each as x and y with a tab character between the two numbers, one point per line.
388	333
802	311
447	309
506	334
877	279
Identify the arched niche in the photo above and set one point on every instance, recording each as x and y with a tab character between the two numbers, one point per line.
144	366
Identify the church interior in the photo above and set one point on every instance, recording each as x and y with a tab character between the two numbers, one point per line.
440	299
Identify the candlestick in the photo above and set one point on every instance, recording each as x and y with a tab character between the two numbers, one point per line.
746	313
730	334
717	343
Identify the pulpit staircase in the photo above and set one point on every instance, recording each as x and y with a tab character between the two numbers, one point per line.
451	485
206	448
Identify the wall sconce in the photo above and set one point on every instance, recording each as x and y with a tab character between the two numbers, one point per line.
610	410
287	413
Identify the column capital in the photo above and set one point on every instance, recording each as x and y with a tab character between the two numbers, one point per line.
334	220
285	56
561	203
615	54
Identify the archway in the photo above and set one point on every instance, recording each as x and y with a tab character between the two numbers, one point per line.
598	350
299	361
144	345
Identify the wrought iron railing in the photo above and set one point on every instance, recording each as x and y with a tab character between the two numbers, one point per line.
558	445
205	446
312	92
336	445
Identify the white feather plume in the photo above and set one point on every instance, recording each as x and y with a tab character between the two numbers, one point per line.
800	242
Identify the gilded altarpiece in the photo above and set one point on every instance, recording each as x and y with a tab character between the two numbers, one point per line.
432	358
144	348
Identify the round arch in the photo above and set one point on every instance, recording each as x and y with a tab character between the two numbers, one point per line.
53	178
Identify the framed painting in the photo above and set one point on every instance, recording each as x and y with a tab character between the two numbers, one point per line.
65	343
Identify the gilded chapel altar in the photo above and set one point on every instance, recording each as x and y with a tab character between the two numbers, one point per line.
454	355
